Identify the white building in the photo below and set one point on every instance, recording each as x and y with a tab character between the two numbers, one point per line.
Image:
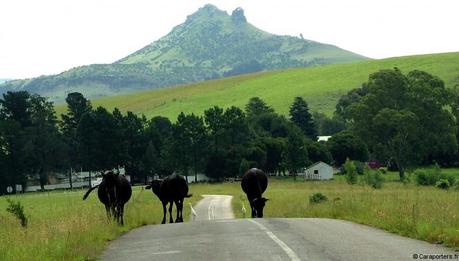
319	171
323	138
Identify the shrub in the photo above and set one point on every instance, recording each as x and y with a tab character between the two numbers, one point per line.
430	177
360	167
350	172
317	198
17	210
424	177
374	178
442	184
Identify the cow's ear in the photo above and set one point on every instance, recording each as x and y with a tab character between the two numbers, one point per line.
265	199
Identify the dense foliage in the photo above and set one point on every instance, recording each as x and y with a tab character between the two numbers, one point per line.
223	143
403	118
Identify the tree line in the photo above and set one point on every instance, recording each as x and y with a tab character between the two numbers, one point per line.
400	120
224	142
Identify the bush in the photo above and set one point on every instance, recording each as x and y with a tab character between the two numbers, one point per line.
317	198
425	178
17	210
360	167
442	184
374	178
350	172
430	177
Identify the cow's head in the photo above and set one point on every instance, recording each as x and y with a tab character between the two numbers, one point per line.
155	185
258	204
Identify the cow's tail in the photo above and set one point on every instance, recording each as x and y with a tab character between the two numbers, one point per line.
89	191
188	195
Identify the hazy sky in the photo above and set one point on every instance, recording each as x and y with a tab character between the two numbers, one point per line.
50	36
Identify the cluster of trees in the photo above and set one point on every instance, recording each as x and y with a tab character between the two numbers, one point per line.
404	120
221	143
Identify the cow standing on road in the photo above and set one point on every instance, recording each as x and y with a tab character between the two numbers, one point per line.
169	190
254	183
114	191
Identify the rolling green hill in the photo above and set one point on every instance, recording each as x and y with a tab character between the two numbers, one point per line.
321	86
210	44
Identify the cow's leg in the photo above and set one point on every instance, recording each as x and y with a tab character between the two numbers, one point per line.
177	206
171	205
252	207
181	210
164	212
121	214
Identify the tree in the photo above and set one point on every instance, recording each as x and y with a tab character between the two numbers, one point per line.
350	172
44	149
328	126
404	118
296	153
159	132
347	145
189	135
300	116
215	122
257	106
133	143
100	140
77	106
318	152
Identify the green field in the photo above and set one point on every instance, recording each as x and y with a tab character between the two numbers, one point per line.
321	86
64	227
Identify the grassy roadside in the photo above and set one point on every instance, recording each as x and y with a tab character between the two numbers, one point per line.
425	213
64	227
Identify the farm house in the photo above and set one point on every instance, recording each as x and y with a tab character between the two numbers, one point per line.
319	171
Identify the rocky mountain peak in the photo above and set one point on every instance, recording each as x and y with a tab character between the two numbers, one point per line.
238	16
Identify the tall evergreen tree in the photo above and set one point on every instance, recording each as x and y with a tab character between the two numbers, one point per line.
299	114
257	106
77	106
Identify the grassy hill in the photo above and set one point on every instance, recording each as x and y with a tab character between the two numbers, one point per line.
210	44
321	86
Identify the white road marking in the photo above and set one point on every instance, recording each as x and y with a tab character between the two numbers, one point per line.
279	242
210	210
166	252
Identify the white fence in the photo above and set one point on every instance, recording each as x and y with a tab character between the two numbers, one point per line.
78	184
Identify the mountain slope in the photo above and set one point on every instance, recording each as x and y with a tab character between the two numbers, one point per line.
209	44
321	87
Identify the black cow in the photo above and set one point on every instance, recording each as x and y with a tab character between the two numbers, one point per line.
254	183
114	191
169	190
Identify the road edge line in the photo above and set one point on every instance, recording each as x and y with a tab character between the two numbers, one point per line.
279	242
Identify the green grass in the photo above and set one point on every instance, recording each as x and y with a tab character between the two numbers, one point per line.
425	213
64	227
321	86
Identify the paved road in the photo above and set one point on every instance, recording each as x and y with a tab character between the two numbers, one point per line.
213	207
264	239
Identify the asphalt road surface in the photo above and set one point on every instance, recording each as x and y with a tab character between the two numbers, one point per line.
214	235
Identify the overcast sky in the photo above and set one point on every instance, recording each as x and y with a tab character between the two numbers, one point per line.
50	36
